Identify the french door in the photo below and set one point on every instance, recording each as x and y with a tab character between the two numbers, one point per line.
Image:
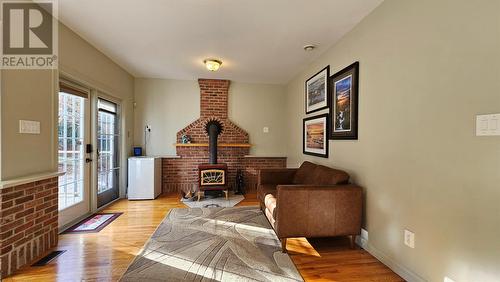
88	129
108	165
73	158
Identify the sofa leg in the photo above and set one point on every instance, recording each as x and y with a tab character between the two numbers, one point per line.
283	245
352	240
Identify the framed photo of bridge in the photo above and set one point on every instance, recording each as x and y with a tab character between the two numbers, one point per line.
344	108
317	91
315	136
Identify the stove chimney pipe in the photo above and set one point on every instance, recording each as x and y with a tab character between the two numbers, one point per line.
213	128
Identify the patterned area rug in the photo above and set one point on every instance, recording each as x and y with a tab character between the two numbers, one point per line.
93	223
215	244
219	202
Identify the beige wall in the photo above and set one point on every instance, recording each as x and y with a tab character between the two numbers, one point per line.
426	69
32	94
83	62
170	105
255	106
27	95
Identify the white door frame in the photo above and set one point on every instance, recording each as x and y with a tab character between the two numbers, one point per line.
96	94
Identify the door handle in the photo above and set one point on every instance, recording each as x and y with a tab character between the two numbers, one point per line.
88	160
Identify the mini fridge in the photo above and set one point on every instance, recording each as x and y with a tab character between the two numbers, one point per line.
144	178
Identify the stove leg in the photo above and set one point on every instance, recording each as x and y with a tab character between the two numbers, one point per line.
199	195
226	192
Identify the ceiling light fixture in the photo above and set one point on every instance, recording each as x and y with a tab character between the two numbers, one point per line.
212	64
309	47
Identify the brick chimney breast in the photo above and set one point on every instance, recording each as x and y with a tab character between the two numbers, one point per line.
182	174
213	105
213	98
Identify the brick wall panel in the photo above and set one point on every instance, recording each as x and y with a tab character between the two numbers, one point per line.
182	174
28	224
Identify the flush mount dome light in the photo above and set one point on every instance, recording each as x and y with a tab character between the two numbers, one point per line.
212	64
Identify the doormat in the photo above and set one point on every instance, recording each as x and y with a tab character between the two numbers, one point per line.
93	223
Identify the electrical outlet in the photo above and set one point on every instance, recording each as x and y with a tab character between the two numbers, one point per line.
448	279
362	239
409	239
364	234
265	129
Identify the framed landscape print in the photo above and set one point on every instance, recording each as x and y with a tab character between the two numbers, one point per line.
317	91
344	108
315	136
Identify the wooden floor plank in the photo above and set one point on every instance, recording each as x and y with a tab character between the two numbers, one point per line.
105	256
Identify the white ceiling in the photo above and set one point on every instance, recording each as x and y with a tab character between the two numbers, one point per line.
258	40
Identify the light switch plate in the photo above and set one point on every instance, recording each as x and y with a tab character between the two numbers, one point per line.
488	125
29	127
265	129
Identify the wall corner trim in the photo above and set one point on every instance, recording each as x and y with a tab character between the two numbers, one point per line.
29	179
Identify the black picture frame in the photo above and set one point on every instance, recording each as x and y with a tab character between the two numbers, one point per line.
316	151
322	104
344	85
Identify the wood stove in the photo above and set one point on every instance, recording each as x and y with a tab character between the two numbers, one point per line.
212	176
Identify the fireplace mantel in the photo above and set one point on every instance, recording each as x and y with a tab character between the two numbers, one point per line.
239	145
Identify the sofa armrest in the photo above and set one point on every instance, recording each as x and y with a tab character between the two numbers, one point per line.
275	176
318	211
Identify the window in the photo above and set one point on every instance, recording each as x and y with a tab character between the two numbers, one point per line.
71	128
107	143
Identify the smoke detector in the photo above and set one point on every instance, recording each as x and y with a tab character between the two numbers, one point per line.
309	47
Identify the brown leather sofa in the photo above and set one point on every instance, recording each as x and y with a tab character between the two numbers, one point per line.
311	201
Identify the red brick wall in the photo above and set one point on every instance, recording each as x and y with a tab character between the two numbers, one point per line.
231	133
28	223
182	173
252	165
213	106
213	98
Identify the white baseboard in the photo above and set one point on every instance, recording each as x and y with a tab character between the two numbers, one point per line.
400	269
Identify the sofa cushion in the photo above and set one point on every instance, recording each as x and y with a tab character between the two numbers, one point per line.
304	174
264	190
269	216
270	203
329	176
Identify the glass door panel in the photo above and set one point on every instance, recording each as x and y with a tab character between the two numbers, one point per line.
72	136
108	167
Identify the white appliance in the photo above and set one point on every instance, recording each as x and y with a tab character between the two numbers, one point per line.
144	178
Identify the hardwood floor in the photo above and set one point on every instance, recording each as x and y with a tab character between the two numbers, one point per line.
105	256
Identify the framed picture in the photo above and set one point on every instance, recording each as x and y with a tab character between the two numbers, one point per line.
317	91
315	136
344	108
